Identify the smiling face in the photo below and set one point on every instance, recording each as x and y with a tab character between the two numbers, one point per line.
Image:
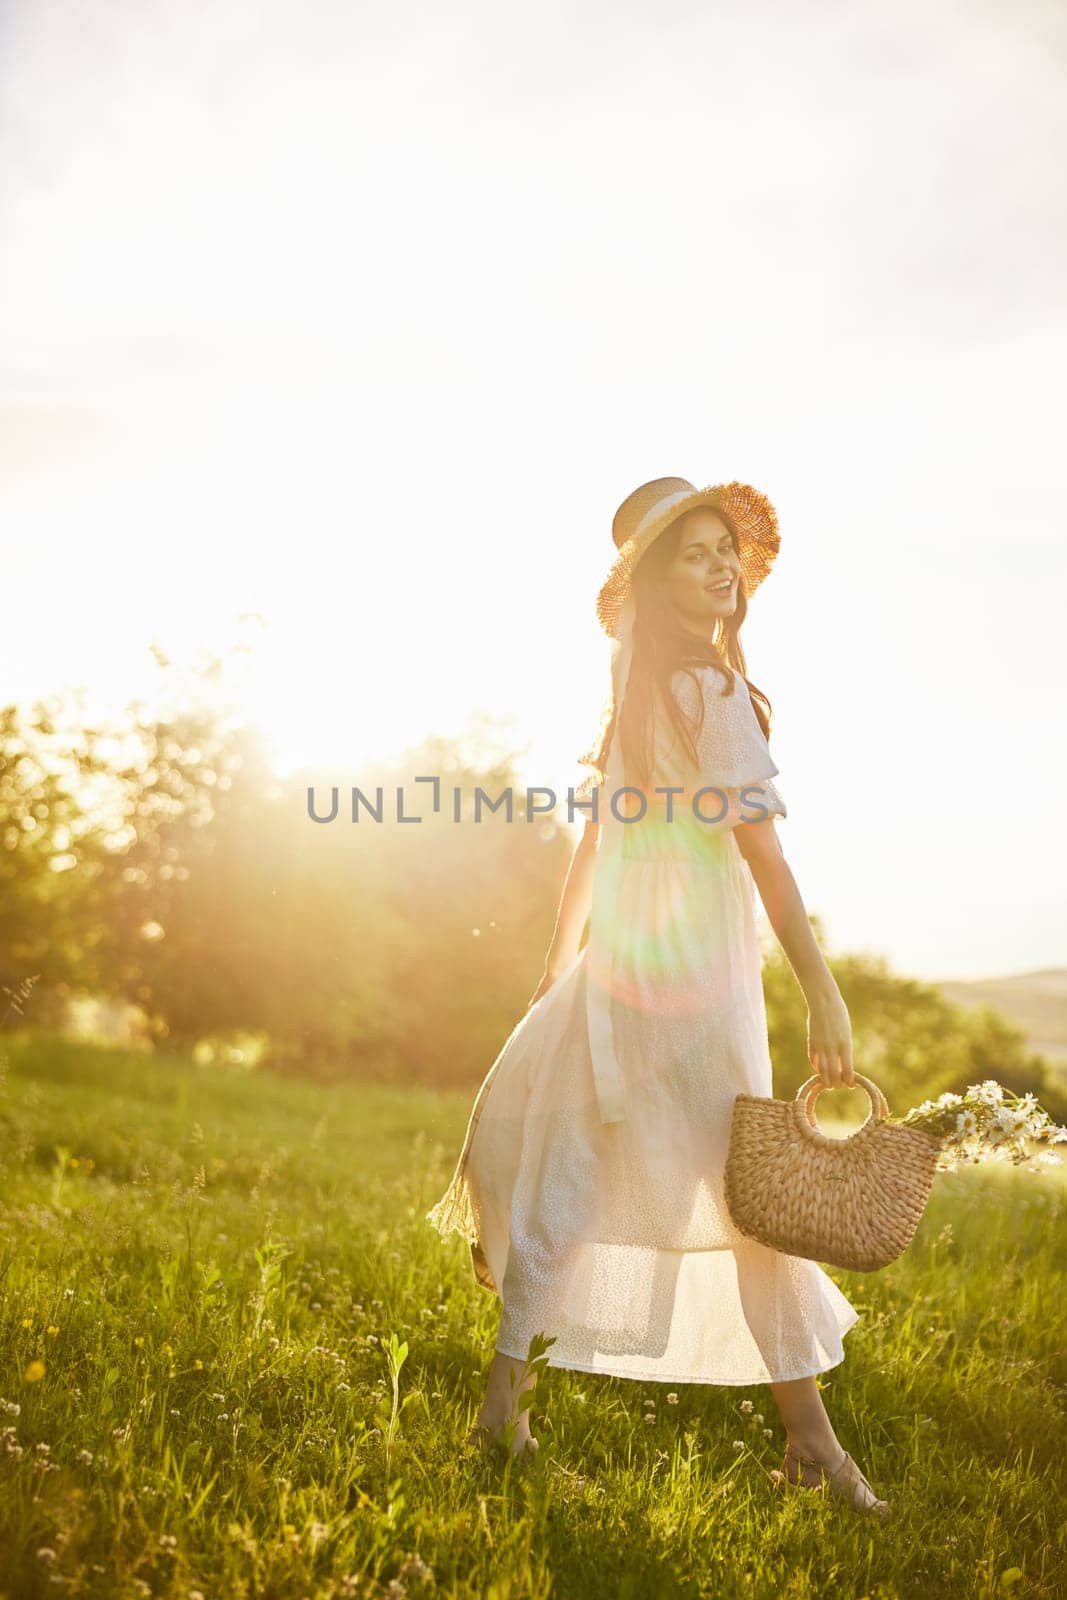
703	576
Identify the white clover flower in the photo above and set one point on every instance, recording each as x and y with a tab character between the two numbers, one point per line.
746	1406
46	1555
85	1457
672	1399
739	1444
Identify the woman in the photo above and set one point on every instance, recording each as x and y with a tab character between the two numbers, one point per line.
590	1184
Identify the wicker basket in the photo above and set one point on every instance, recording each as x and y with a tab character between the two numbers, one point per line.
853	1202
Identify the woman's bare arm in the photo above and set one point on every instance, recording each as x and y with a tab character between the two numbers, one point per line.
829	1028
574	906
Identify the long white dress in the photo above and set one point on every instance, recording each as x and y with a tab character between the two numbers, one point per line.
590	1182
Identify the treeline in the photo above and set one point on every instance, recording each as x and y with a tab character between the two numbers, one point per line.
162	864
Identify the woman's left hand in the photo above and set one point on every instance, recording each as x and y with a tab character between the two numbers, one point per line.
546	983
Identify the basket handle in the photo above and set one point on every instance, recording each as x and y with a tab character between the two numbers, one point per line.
810	1091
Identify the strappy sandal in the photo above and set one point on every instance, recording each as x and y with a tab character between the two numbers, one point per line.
482	1437
846	1482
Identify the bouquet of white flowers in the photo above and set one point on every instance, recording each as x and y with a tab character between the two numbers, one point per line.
988	1123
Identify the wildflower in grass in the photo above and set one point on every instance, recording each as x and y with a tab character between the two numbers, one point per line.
138	1340
650	1416
51	1330
43	1449
198	1365
746	1407
739	1444
672	1399
12	1407
768	1433
415	1567
318	1531
85	1457
34	1372
167	1541
27	1322
46	1555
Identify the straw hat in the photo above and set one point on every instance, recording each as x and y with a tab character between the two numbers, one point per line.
646	513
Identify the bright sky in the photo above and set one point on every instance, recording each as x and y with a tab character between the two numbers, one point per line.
366	318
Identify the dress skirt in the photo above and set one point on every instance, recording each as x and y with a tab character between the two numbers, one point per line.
613	1237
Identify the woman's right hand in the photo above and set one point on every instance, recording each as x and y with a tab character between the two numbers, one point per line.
830	1039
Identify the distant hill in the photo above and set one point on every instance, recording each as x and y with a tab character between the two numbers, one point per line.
1037	1001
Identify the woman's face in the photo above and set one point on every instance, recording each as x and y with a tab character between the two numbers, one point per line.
702	578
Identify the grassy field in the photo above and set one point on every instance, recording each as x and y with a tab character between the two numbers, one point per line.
236	1361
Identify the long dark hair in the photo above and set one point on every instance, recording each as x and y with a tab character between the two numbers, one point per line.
662	646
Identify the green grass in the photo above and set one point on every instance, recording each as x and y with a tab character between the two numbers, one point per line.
226	1278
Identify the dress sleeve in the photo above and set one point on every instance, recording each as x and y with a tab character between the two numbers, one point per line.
733	753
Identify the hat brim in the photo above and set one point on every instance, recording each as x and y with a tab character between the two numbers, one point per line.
750	511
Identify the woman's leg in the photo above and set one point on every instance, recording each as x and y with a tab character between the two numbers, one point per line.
509	1378
810	1433
807	1427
